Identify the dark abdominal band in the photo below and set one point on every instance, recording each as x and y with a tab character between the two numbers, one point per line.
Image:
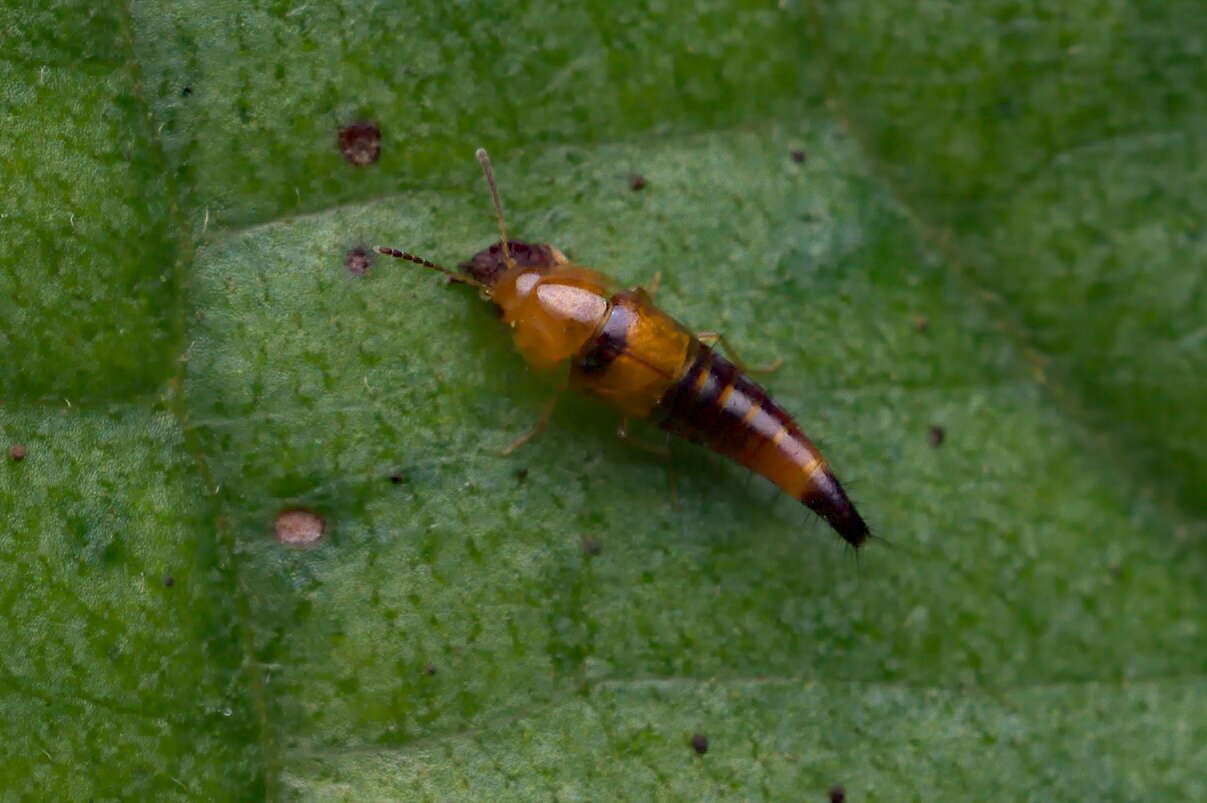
714	404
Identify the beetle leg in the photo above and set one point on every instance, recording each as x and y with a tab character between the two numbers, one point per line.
622	432
664	452
651	289
540	425
710	338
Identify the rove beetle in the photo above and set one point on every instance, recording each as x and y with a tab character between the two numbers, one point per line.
631	355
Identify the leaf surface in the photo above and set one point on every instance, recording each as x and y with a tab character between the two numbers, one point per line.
983	222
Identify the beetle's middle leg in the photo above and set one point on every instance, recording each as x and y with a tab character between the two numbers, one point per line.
651	287
540	425
710	338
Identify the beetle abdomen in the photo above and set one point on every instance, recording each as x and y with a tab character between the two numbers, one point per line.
715	404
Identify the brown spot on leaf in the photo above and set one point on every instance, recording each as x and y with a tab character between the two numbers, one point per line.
358	261
837	794
798	156
398	478
921	324
298	527
360	143
16	452
937	435
699	743
636	182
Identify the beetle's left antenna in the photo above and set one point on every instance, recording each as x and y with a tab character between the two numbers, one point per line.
459	277
484	160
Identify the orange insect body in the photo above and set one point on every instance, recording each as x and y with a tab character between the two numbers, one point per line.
631	355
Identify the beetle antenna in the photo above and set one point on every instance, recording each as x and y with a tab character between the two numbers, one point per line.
484	160
457	277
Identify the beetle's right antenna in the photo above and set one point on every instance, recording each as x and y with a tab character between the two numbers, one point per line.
484	160
452	274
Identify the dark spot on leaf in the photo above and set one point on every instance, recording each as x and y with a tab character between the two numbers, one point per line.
700	743
921	324
358	261
188	90
521	474
636	182
937	435
298	527
591	546
17	452
360	143
798	156
837	794
398	478
169	581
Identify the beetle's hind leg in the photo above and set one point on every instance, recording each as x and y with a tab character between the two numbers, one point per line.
540	424
664	452
709	338
622	432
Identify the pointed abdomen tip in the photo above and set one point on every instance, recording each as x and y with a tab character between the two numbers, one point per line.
826	497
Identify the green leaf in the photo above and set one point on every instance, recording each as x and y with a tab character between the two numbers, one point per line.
995	232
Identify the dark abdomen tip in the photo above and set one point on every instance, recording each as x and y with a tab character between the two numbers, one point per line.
826	498
716	404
